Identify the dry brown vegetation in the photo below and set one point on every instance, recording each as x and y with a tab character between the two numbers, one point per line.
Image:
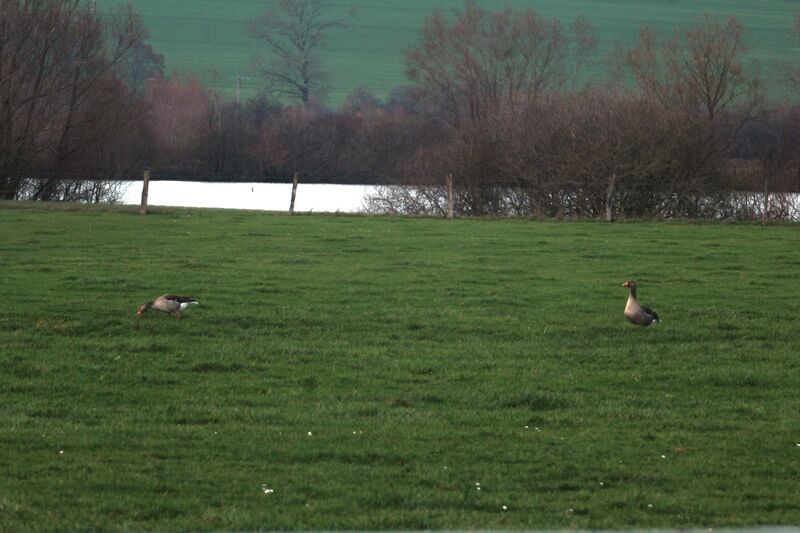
679	127
64	110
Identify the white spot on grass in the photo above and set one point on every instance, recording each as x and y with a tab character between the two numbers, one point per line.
505	508
309	433
663	456
266	490
649	505
60	452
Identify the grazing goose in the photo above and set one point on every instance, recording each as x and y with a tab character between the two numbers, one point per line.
637	313
168	303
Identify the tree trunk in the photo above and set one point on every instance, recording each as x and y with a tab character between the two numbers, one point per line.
765	208
62	148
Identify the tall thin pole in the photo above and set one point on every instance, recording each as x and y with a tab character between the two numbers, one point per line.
238	89
449	181
612	181
145	187
294	192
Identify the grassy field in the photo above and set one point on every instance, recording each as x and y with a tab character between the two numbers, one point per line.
346	372
209	37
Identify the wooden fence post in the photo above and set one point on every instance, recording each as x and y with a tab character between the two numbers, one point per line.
612	181
145	187
449	180
294	192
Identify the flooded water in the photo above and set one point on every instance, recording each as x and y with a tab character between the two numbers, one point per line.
332	198
257	196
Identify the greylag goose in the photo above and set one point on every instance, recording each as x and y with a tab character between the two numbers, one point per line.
635	312
168	303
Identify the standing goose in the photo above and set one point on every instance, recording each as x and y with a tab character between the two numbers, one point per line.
637	313
168	303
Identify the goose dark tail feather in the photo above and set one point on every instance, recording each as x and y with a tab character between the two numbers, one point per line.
652	314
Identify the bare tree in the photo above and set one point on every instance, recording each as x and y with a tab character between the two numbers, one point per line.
584	46
701	79
301	140
141	65
700	69
767	166
483	59
381	138
793	71
55	56
481	67
294	31
182	114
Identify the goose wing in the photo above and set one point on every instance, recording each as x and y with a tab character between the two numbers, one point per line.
179	299
652	313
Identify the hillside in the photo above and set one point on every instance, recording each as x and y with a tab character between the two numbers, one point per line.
209	37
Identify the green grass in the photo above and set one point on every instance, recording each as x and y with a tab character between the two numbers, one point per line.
209	37
373	370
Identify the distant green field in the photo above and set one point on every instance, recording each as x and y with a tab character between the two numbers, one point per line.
208	37
346	372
